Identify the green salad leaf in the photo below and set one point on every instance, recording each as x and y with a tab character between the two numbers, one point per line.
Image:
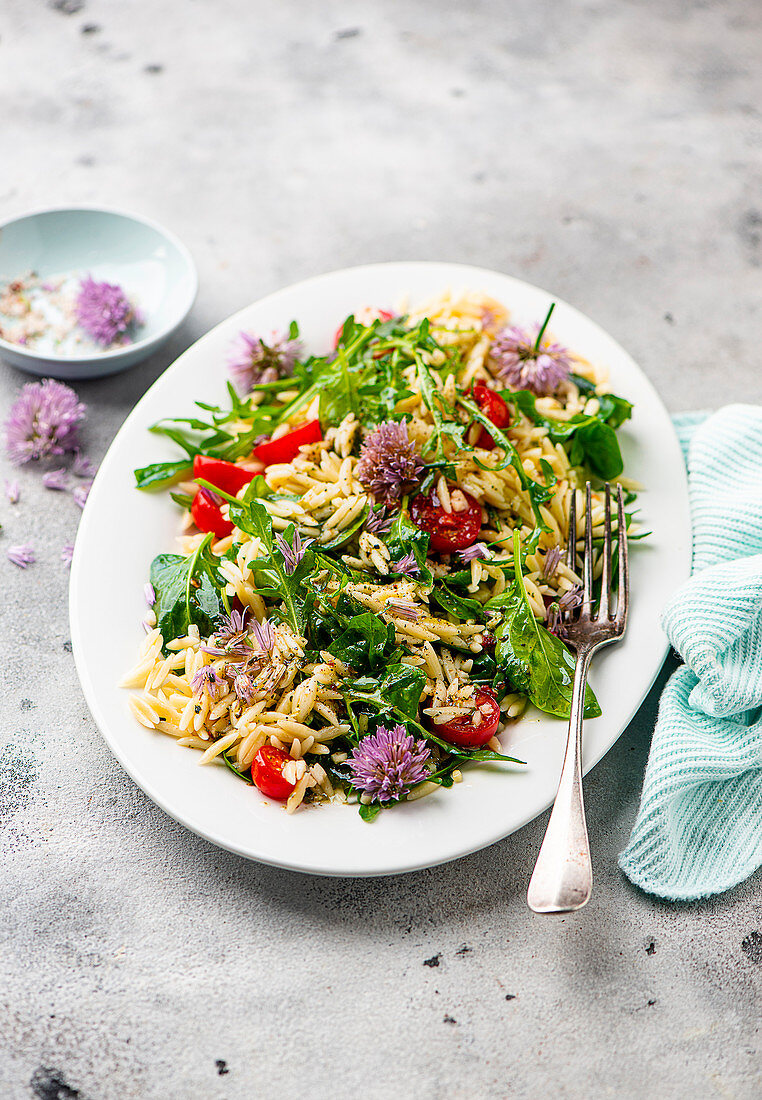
188	590
534	660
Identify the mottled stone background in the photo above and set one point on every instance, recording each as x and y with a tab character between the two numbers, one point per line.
609	151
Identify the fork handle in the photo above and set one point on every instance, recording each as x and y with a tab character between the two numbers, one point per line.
563	875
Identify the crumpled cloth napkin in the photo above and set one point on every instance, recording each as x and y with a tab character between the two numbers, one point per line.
699	826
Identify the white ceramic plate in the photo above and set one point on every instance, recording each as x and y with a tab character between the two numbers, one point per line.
123	529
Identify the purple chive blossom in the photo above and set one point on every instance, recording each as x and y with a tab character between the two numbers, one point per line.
407	565
294	553
388	465
379	521
81	494
264	635
568	602
43	421
552	562
243	686
55	479
12	491
150	594
22	556
527	361
231	638
232	628
475	553
67	553
103	310
206	679
83	466
388	763
252	360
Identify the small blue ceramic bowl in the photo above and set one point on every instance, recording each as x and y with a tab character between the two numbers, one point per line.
151	265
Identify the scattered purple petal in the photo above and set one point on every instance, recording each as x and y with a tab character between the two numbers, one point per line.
552	562
253	361
56	479
379	520
407	565
12	491
403	609
264	635
388	465
150	594
43	421
67	553
22	556
83	466
292	554
81	493
207	680
475	553
571	599
103	310
388	763
517	360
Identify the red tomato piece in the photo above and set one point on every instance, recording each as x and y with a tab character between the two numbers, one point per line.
207	515
223	475
267	773
447	530
365	316
494	408
286	447
462	731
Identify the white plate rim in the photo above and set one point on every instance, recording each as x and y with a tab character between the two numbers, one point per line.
404	272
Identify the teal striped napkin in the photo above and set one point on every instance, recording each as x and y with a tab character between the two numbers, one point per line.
699	826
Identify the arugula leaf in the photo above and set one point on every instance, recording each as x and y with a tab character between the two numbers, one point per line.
536	661
404	538
538	494
445	427
269	570
188	590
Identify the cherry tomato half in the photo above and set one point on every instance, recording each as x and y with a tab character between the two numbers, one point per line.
286	447
447	530
267	773
223	475
365	316
462	731
494	408
207	515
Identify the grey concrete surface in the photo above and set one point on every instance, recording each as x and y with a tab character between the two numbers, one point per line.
609	151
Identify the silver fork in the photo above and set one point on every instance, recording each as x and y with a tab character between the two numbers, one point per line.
563	875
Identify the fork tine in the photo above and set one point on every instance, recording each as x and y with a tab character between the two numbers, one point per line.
623	595
587	574
605	608
571	542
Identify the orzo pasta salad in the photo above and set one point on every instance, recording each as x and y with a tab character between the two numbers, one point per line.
372	570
